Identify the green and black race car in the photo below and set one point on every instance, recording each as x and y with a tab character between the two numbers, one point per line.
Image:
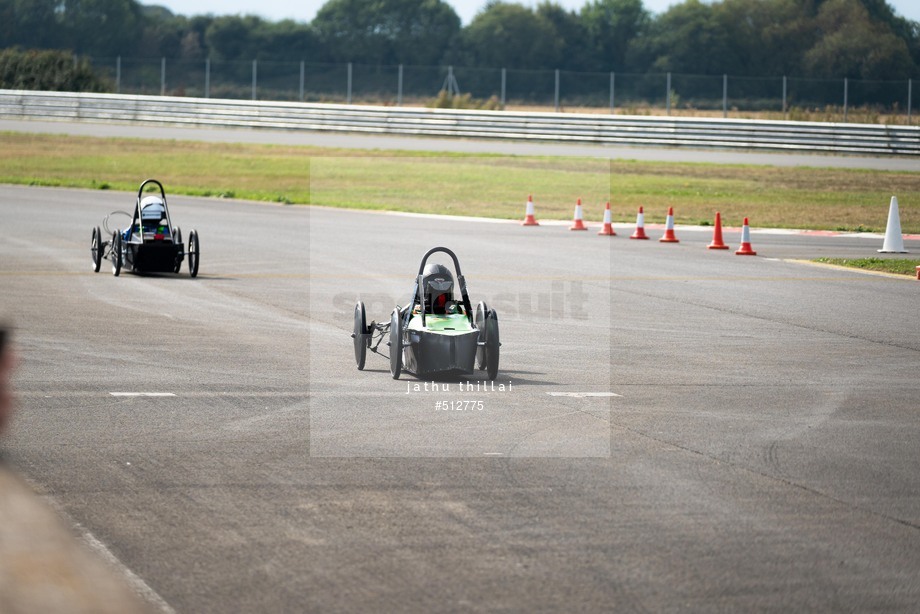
435	335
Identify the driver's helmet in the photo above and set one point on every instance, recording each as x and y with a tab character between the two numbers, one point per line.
153	209
438	287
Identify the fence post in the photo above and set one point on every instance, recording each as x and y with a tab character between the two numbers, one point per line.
450	83
557	90
207	77
302	80
910	87
255	69
613	90
399	87
668	95
163	76
118	77
784	97
504	84
724	95
846	87
348	90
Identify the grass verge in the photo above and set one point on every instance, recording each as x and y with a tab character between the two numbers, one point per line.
900	266
469	184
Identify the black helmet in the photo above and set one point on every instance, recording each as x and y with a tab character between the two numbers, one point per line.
438	287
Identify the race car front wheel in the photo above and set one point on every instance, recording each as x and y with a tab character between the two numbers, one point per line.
360	335
177	240
479	321
194	250
395	344
96	249
492	344
116	254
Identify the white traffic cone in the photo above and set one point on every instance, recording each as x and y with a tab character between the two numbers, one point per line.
894	241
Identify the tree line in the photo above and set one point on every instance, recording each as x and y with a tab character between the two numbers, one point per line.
858	39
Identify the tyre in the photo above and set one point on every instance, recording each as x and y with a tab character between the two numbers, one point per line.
395	344
479	321
96	249
359	335
177	241
194	250
117	255
493	343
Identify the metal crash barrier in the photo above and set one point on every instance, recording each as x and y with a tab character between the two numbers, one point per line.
764	135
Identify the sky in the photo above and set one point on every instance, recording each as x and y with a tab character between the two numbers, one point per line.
305	10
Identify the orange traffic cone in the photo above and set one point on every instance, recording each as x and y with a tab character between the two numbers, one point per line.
578	223
717	234
529	219
607	230
745	249
639	233
669	236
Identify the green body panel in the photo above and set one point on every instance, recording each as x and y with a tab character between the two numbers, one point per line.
453	324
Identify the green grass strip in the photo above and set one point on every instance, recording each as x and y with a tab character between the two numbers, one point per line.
900	266
470	184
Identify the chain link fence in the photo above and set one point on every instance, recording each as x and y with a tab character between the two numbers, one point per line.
553	90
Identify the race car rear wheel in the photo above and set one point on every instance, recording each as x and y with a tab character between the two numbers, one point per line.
395	344
116	254
479	321
96	249
193	253
493	344
359	335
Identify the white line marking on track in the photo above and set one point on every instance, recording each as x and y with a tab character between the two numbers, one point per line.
493	453
140	587
582	395
134	581
142	394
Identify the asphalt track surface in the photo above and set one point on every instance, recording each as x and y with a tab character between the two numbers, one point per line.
762	454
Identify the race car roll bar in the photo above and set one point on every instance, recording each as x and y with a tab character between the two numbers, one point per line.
419	292
137	209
